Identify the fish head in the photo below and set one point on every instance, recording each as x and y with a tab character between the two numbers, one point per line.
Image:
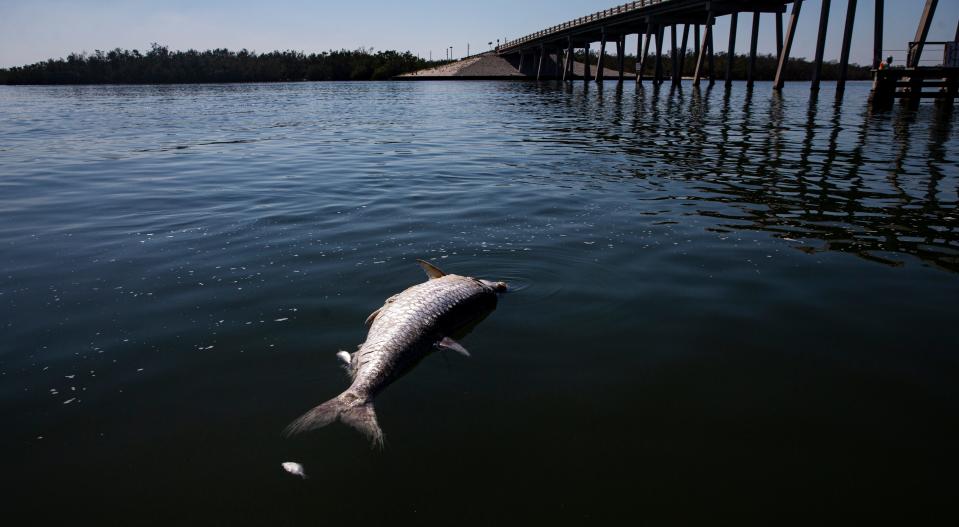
499	287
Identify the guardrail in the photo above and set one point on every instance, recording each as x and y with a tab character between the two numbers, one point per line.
581	21
934	55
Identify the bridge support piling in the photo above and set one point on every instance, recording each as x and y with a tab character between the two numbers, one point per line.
712	57
820	45
539	66
846	42
561	65
754	40
621	57
658	74
568	65
639	57
701	56
682	54
586	64
645	54
779	34
522	56
696	40
877	35
600	70
779	82
731	50
673	55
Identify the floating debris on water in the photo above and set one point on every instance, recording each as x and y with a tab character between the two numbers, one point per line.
294	468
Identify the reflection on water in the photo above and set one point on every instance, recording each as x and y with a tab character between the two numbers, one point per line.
838	179
714	295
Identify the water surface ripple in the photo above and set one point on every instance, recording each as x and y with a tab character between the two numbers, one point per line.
726	303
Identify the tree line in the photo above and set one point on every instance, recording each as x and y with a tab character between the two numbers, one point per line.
159	65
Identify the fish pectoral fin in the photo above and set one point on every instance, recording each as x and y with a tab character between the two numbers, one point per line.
449	344
431	270
372	317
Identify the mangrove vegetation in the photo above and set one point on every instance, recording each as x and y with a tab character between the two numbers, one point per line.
160	65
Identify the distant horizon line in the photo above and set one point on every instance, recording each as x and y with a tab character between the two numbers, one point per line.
364	49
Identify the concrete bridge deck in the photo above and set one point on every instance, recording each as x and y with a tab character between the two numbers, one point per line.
648	19
635	17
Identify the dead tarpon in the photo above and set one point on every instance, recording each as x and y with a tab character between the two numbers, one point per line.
424	318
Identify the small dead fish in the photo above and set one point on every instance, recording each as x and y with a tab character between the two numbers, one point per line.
294	468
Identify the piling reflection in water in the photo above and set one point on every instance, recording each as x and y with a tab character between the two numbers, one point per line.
836	176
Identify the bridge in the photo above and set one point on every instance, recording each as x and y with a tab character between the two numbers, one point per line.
552	50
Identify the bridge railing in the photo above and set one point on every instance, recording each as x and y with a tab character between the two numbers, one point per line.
581	21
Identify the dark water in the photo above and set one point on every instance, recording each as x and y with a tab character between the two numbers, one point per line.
727	307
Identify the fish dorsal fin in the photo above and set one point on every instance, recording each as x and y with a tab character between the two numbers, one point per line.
372	317
431	270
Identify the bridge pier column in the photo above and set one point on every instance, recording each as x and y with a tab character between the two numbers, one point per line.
820	45
682	55
731	50
639	57
568	67
696	40
754	40
539	66
712	56
779	34
658	75
673	55
586	74
701	56
787	45
706	51
600	70
846	43
522	56
645	54
877	35
621	56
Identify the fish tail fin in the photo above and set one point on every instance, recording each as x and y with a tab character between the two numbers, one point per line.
362	417
358	413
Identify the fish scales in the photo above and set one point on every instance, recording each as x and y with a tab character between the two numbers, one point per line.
409	326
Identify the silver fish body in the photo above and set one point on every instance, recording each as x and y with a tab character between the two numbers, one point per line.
409	326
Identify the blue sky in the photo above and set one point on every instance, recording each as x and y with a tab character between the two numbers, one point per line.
33	30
